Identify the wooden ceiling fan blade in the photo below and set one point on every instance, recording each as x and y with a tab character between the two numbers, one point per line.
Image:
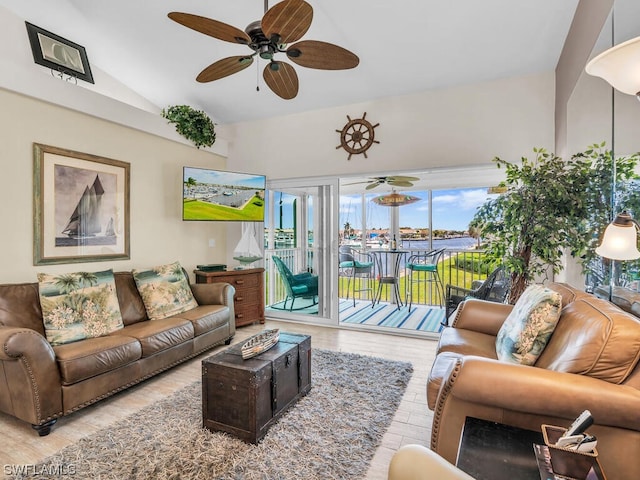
398	183
223	68
289	20
322	55
211	27
282	79
373	185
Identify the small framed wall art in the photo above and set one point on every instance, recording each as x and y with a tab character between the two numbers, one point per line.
59	54
81	207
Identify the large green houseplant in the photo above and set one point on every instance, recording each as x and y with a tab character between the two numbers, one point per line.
550	205
192	124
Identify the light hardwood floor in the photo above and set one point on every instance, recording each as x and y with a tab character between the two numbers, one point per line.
411	424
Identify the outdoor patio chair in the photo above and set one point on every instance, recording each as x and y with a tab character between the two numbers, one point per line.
423	268
301	285
494	288
355	265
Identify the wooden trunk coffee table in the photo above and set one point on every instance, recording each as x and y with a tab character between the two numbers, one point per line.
245	397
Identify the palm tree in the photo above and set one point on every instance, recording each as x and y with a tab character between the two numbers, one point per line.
474	232
67	283
87	279
177	270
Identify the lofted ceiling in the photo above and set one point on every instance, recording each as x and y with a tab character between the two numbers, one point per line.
404	47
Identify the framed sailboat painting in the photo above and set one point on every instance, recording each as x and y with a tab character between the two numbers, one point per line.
81	207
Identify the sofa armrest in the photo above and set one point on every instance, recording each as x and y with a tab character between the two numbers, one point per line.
30	373
538	391
217	294
527	397
481	316
213	293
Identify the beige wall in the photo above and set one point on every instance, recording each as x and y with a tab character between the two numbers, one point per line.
466	125
158	234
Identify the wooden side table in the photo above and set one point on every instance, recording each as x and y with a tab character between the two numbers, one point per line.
493	451
249	297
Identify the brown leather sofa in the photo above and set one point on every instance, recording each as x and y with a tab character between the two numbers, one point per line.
40	383
590	362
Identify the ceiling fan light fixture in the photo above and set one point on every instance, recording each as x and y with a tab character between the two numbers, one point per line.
266	52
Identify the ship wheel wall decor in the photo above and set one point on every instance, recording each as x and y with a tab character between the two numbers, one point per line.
357	136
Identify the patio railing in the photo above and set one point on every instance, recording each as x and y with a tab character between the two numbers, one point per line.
458	267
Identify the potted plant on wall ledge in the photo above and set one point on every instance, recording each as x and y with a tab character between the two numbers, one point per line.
550	205
194	125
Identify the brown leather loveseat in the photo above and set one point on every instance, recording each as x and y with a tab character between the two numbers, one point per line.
40	383
590	362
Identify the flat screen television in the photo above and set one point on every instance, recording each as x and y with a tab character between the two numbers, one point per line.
217	195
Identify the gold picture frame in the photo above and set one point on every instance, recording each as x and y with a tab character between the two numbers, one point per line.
81	207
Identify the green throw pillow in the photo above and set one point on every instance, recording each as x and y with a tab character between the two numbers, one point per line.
78	305
527	329
164	290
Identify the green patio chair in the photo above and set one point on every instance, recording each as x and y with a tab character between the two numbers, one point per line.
423	268
301	285
355	264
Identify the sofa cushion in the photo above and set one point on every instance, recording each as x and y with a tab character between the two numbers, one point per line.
595	338
159	335
164	290
206	317
131	305
20	306
467	342
526	330
78	305
81	360
569	293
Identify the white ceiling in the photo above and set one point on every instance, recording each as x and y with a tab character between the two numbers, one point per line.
404	47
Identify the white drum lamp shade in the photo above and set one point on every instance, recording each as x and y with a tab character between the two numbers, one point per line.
619	66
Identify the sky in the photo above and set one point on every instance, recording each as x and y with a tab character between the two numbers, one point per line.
452	210
219	177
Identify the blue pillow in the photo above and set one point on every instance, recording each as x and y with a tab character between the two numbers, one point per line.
527	329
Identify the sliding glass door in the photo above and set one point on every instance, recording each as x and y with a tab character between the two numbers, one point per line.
300	238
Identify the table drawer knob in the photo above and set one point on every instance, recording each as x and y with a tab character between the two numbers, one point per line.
239	315
239	282
239	299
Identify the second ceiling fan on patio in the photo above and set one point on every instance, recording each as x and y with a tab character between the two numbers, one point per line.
393	180
281	24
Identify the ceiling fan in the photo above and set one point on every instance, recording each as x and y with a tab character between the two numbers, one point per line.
394	180
282	24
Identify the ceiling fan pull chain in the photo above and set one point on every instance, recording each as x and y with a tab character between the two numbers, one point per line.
258	75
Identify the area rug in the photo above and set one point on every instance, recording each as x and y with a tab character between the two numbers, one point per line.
331	433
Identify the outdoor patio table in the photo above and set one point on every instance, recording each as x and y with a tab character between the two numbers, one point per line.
388	264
